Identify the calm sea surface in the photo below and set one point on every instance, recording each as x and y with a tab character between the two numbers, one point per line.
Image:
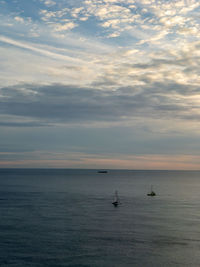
65	218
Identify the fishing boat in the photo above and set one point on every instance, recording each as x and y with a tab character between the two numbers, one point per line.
152	193
116	201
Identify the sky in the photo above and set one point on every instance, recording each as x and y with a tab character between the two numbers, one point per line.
103	84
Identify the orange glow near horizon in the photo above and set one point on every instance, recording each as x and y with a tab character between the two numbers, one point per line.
151	162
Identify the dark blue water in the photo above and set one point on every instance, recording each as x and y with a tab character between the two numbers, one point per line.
65	218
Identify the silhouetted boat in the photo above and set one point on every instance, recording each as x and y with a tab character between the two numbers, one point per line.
102	171
116	201
152	193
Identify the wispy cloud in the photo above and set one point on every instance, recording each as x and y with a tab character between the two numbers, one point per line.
36	48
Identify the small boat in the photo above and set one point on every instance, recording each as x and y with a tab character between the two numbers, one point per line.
152	193
116	201
102	171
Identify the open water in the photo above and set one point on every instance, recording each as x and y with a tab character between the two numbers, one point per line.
65	218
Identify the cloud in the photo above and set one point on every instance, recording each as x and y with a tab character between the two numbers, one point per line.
93	77
64	27
49	3
76	12
115	16
58	15
35	48
19	19
22	124
156	58
72	61
69	104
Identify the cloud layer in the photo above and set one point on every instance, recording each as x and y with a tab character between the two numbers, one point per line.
130	66
69	104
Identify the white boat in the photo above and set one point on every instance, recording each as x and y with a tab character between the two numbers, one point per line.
116	200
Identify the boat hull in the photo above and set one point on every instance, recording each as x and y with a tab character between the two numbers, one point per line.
115	203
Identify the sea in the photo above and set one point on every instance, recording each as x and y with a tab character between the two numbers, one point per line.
65	217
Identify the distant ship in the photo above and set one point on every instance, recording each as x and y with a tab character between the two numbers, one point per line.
152	193
116	200
102	171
